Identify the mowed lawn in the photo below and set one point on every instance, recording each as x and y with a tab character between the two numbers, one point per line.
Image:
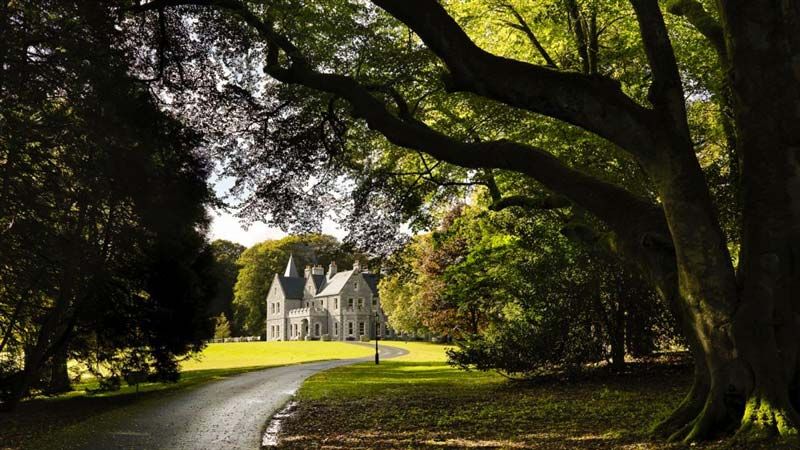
36	417
419	402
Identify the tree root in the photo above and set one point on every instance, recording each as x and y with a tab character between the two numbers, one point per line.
685	414
712	420
767	420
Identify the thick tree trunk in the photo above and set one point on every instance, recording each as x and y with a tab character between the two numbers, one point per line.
752	350
59	373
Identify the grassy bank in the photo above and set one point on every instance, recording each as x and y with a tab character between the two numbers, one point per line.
39	416
419	402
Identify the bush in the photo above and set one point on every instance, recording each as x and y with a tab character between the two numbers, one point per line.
364	338
326	337
309	338
349	338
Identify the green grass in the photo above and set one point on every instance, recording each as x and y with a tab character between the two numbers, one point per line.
38	417
419	402
218	361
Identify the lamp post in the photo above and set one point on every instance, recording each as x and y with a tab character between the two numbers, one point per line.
377	357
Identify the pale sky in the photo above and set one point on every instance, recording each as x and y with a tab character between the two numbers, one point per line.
226	226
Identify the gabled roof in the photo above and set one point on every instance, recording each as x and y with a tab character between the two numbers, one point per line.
336	283
292	286
372	281
319	282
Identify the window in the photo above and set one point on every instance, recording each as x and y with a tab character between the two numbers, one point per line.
278	331
374	302
361	328
336	303
277	307
350	302
316	329
355	285
350	328
336	329
294	330
272	308
360	302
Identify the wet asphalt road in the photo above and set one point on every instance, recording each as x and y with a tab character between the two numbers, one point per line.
227	414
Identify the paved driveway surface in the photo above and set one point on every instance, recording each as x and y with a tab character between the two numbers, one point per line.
227	414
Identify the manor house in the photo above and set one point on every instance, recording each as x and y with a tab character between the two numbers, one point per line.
342	305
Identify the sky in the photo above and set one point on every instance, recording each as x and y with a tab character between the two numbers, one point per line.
225	225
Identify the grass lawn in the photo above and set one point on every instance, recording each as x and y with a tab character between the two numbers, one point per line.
42	415
419	402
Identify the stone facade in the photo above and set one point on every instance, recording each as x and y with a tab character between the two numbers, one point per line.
341	305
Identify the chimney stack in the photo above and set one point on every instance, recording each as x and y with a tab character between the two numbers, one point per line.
317	270
308	271
356	266
332	269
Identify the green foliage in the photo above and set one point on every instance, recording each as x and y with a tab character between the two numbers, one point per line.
226	269
520	297
103	202
222	329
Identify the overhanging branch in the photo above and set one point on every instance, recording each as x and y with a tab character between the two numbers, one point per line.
594	103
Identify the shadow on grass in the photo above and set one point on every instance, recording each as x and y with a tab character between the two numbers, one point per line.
400	405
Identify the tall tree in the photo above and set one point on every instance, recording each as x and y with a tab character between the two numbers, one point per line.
739	319
103	202
226	269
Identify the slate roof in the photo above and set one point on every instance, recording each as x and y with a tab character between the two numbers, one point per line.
291	269
319	282
292	286
372	281
335	284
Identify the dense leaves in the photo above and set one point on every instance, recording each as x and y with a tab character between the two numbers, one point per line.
103	206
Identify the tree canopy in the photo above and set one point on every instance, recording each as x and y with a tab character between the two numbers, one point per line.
674	132
102	207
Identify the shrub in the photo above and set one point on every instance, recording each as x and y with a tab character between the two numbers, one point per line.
326	337
364	338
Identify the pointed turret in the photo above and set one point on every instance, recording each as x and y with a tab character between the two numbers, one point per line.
291	269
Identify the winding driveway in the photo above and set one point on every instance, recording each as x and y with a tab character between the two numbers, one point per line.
227	414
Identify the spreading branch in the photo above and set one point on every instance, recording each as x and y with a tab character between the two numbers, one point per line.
593	102
542	202
703	22
619	208
666	90
521	24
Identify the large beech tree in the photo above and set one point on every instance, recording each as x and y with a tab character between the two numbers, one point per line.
741	320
